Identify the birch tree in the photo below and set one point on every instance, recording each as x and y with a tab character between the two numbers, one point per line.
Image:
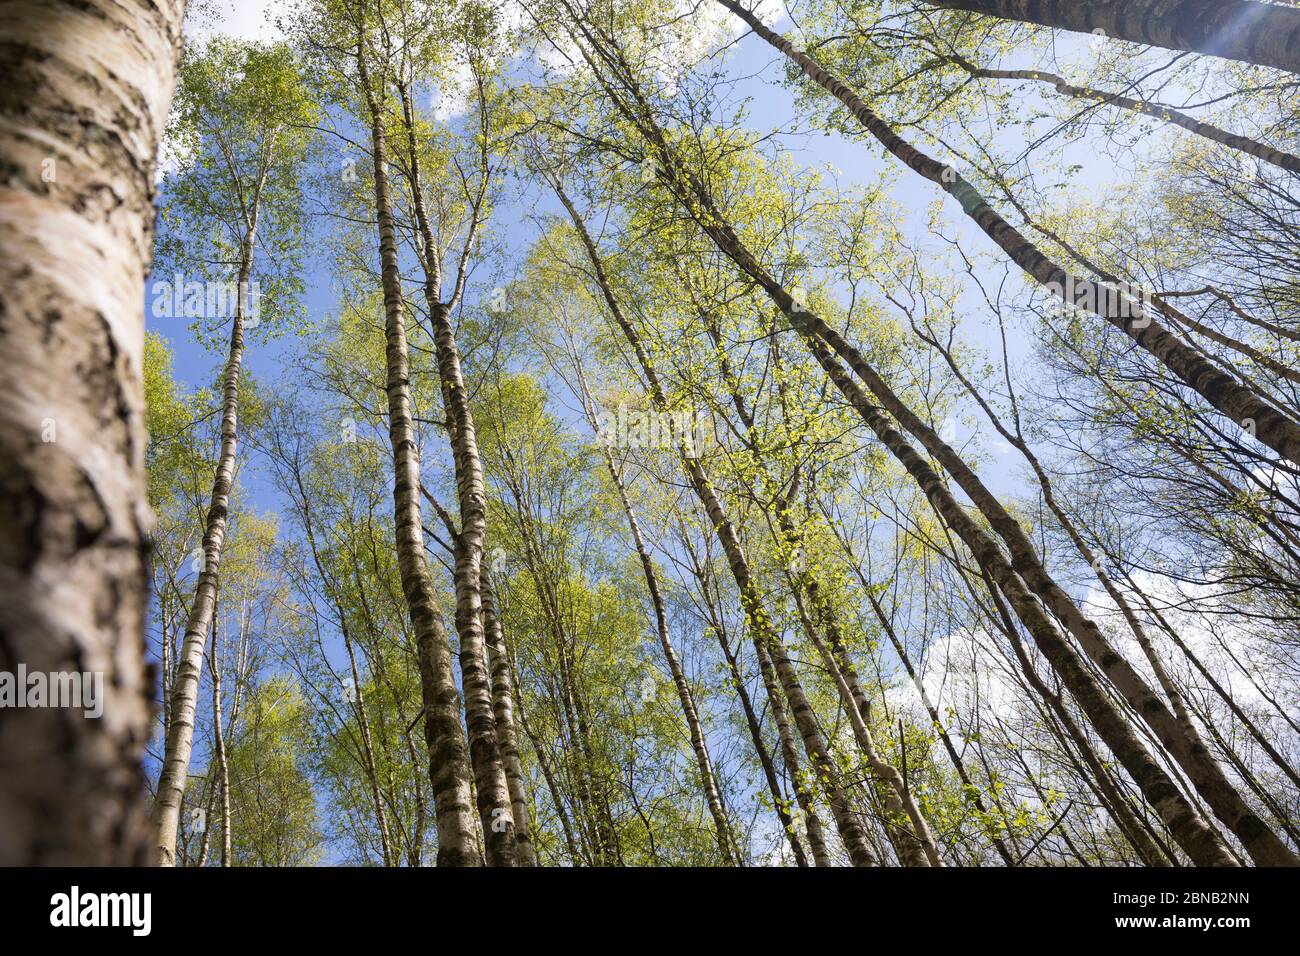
79	136
243	112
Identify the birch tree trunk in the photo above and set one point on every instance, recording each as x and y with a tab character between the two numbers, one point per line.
1117	803
448	764
490	785
219	742
87	91
185	690
803	795
1200	841
503	707
916	847
1266	34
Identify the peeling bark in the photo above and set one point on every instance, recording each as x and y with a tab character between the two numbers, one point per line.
86	93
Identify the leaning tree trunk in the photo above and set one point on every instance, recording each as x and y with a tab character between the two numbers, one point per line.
185	689
1197	838
803	794
1265	34
1070	733
448	763
87	90
1202	843
1253	411
916	847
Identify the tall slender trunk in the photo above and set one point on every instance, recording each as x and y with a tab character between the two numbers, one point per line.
916	847
1031	579
1253	411
503	705
185	689
712	793
1016	440
1266	34
490	785
79	136
1200	841
219	741
803	793
448	763
708	779
779	803
164	615
1116	802
822	763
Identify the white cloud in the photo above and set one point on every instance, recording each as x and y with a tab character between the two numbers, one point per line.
241	19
